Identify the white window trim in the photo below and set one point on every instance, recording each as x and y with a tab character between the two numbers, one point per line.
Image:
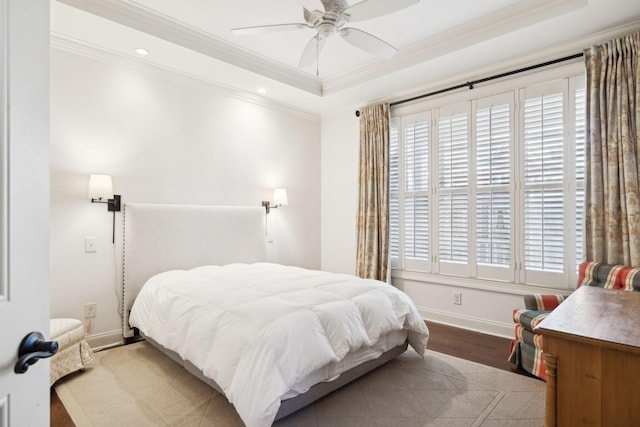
497	286
400	269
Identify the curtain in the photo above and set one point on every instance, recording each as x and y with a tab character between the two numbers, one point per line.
373	193
612	206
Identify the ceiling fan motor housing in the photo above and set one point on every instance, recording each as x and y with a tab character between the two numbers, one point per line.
328	23
335	5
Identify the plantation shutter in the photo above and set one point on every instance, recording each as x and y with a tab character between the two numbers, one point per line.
580	135
453	191
394	194
544	169
491	189
494	189
416	192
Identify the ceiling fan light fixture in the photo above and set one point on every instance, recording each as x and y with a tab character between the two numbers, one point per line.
326	29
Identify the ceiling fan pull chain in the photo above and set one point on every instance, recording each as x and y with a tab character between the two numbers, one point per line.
317	56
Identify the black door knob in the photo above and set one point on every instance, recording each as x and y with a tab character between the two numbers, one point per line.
32	348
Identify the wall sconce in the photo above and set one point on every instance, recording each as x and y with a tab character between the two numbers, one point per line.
279	199
101	191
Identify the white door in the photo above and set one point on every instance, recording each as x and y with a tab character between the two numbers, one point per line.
24	206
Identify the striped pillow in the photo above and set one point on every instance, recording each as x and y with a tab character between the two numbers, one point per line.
587	273
609	276
629	279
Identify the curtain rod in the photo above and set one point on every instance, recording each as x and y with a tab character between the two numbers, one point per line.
472	83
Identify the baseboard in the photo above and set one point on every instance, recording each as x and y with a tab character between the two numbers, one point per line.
465	322
105	340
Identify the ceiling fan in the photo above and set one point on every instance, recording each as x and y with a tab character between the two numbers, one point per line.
329	18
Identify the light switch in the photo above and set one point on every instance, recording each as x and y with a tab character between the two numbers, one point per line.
90	244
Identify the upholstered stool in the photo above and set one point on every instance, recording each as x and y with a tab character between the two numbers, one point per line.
74	353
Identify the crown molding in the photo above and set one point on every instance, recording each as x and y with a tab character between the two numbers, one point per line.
143	19
134	15
470	33
68	44
499	23
563	49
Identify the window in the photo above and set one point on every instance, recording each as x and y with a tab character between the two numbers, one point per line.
492	188
580	121
494	192
394	186
410	194
453	190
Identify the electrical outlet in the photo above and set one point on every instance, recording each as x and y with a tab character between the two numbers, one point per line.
457	298
90	310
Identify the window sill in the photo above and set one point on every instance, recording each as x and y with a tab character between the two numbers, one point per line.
481	284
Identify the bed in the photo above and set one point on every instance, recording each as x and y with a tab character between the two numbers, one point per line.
271	338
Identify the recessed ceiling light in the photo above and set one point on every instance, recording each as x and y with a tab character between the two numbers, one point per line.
262	90
141	51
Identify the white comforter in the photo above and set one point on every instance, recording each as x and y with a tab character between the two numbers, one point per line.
257	329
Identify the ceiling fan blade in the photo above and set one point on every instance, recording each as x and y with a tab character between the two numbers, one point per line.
312	4
368	42
311	51
262	29
369	9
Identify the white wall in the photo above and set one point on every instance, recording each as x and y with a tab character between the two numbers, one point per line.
165	140
340	145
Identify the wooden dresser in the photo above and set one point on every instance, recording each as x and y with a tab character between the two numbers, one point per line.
592	353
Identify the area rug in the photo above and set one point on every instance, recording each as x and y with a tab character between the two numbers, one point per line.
136	385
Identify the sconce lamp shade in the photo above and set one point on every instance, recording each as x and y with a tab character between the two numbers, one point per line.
280	197
101	191
100	187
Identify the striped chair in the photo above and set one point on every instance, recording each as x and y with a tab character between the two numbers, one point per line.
526	347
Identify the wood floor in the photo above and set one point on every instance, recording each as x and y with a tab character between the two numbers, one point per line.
475	346
486	349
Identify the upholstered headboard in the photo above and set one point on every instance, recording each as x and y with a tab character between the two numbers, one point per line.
160	237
